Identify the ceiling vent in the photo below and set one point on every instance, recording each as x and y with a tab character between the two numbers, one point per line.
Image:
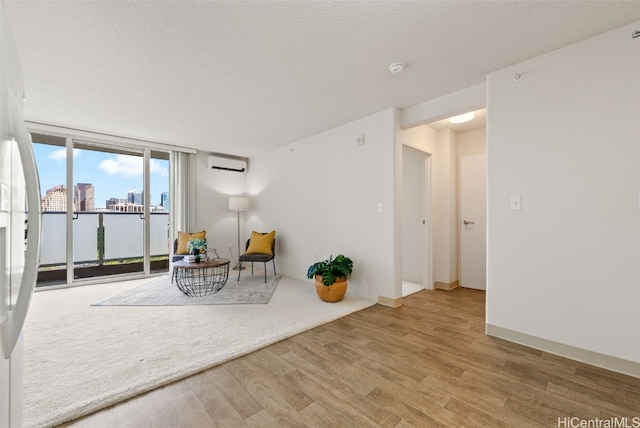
227	164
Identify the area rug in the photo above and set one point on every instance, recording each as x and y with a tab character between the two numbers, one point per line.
251	289
81	358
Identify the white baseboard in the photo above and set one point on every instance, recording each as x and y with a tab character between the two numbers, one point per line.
446	285
390	302
608	362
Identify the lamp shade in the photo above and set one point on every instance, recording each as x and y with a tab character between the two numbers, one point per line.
238	203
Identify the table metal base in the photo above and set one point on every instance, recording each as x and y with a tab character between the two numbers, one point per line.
201	281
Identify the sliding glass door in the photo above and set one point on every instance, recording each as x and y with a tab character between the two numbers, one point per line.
113	213
51	160
109	210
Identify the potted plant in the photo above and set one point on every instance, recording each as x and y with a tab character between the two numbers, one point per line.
331	277
196	247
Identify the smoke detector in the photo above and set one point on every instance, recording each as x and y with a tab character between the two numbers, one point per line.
396	67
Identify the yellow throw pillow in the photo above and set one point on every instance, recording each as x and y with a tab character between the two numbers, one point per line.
184	237
261	244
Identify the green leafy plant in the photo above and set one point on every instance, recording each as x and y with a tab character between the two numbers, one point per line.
331	269
196	244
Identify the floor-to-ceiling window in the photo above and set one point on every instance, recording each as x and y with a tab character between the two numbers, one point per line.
105	209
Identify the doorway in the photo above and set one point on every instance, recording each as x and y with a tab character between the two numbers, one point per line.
445	144
416	231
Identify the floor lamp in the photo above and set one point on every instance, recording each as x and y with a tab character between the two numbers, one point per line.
237	204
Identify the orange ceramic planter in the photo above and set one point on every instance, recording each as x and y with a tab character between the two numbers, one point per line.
332	293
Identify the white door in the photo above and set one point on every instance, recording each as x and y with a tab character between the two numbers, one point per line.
473	224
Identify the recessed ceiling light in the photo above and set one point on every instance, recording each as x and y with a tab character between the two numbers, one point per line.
462	118
396	67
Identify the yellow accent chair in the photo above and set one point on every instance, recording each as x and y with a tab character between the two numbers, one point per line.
260	247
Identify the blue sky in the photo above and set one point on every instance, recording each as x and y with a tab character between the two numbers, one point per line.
112	175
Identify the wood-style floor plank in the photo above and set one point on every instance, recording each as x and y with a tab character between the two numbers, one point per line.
425	364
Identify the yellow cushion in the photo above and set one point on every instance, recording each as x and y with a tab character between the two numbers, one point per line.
184	237
261	244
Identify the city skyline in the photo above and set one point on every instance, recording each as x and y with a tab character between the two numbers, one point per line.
112	175
55	199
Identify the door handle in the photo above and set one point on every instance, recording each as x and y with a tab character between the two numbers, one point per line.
468	222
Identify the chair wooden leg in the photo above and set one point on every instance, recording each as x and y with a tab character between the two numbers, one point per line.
265	272
274	267
239	270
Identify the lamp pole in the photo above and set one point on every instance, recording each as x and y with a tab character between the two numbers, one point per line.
237	204
237	266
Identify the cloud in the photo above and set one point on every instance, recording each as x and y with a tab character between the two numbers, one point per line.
127	166
160	169
131	166
62	154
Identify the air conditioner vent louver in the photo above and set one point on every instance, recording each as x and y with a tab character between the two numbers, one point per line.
221	163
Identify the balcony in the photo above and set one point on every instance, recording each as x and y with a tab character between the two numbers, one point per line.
104	243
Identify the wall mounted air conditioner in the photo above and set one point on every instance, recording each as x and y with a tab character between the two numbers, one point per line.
227	164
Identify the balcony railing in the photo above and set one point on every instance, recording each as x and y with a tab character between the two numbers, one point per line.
104	243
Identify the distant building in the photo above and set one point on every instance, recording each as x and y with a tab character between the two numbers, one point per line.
164	201
122	205
55	199
128	208
111	203
83	197
135	197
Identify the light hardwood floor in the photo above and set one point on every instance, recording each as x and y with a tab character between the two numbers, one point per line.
425	364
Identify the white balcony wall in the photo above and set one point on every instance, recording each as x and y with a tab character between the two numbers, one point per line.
159	234
54	238
85	237
123	235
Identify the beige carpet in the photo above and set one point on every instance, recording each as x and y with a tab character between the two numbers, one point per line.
251	289
81	358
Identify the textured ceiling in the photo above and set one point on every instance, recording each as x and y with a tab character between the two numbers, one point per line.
244	77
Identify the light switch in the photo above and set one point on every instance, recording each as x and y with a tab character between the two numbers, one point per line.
380	207
516	203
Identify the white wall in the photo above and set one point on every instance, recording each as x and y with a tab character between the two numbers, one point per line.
321	195
445	207
213	189
566	139
472	143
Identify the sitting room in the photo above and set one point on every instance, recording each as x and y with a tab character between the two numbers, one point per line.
227	152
